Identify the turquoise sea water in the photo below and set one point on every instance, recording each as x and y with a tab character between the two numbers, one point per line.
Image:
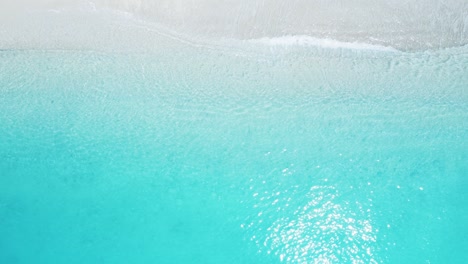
199	155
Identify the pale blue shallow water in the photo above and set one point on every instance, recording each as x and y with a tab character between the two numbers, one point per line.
195	155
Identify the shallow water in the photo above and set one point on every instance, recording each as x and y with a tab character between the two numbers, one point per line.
198	155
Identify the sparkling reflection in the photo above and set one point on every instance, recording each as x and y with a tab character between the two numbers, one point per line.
322	228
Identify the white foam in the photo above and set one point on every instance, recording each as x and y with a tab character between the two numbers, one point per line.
304	40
